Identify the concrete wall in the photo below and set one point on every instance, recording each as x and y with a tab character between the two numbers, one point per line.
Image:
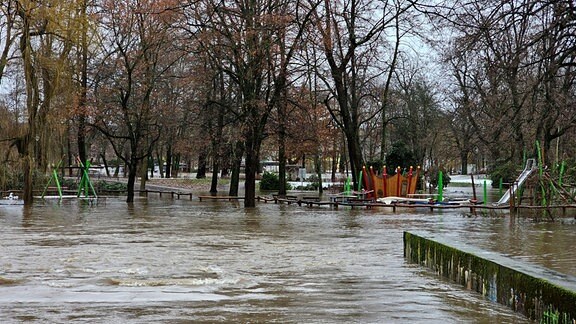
540	294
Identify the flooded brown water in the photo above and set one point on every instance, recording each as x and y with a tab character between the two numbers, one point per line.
180	261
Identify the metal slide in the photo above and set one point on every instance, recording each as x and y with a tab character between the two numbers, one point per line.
528	169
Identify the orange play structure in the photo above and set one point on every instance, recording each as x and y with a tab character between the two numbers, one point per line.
386	185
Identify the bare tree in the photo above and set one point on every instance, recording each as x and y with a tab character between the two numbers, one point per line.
45	47
519	60
8	34
251	34
138	52
349	34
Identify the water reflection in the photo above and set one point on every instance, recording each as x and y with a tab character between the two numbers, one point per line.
178	261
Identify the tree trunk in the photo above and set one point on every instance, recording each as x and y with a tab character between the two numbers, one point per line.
201	172
28	193
32	104
282	169
160	164
318	167
464	162
143	176
237	153
386	92
355	154
83	87
334	161
343	162
214	183
168	162
282	117
82	139
69	147
175	165
234	178
252	164
132	172
253	143
103	156
216	143
282	159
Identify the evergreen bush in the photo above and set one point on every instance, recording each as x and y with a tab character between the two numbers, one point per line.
433	177
506	171
270	181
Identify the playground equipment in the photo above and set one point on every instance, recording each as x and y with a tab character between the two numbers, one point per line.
529	168
53	177
85	186
385	185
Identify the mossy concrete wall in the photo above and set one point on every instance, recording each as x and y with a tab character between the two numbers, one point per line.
540	294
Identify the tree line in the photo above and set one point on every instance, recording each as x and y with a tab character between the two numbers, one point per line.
225	84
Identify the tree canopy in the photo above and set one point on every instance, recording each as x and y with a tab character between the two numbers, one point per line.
206	85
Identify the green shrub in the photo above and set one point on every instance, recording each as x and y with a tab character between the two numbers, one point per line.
110	186
271	182
507	171
313	186
10	178
569	175
376	165
433	173
69	183
400	156
13	179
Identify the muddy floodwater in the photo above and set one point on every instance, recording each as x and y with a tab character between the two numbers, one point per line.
179	261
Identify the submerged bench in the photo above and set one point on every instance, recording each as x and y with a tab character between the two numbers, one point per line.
229	198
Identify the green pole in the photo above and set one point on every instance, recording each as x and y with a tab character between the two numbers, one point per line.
57	183
440	186
81	184
46	187
87	182
524	156
540	172
500	188
55	177
539	158
93	190
360	180
347	186
562	168
82	179
485	193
